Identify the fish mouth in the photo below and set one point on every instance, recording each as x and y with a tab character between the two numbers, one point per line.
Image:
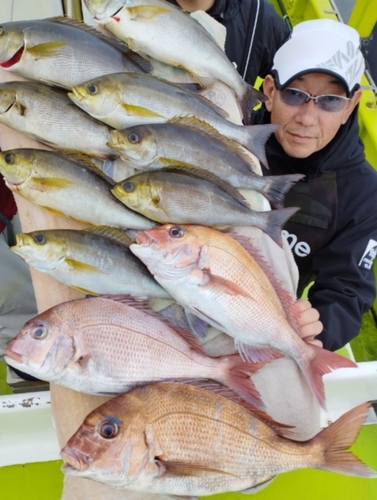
14	59
75	95
12	355
21	241
75	460
143	238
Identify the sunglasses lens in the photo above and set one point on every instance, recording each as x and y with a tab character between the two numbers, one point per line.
293	97
328	102
331	103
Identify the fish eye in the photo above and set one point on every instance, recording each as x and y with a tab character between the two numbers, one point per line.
133	138
39	332
109	428
39	238
128	187
92	89
176	232
9	158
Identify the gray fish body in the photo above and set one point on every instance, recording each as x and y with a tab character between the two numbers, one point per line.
167	33
152	147
49	116
128	99
62	52
94	261
186	196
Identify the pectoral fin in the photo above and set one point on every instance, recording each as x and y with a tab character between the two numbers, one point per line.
82	266
146	12
184	469
47	49
52	183
139	111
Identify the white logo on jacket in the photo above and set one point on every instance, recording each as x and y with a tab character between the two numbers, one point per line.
299	248
369	255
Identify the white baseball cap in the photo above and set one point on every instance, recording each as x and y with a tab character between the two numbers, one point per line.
320	46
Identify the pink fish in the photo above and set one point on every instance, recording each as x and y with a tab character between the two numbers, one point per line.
102	346
216	279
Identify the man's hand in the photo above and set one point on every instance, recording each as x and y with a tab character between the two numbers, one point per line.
308	322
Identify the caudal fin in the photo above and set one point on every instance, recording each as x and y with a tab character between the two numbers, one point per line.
254	138
272	222
277	186
338	437
250	99
237	378
324	362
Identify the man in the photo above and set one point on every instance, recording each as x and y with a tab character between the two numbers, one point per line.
313	92
254	31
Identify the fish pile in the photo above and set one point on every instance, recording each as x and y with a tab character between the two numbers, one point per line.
161	258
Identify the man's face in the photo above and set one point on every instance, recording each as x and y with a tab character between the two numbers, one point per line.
306	129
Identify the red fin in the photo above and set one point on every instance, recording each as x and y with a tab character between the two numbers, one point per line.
227	286
238	379
186	469
323	362
336	440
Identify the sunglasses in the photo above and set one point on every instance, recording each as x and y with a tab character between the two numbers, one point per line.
326	102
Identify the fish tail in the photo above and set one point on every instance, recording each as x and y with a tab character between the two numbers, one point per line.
254	138
250	98
323	362
274	220
338	437
237	378
277	187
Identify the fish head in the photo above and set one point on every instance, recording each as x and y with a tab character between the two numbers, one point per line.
44	250
110	444
135	192
42	347
169	251
136	145
98	97
11	44
16	167
102	10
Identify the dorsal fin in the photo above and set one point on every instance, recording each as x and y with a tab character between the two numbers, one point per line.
111	233
205	129
226	392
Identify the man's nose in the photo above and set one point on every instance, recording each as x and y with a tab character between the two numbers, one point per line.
307	114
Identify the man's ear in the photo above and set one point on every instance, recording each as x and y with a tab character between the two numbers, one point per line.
268	90
355	99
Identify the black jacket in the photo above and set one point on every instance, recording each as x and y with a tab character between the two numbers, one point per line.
250	24
334	235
